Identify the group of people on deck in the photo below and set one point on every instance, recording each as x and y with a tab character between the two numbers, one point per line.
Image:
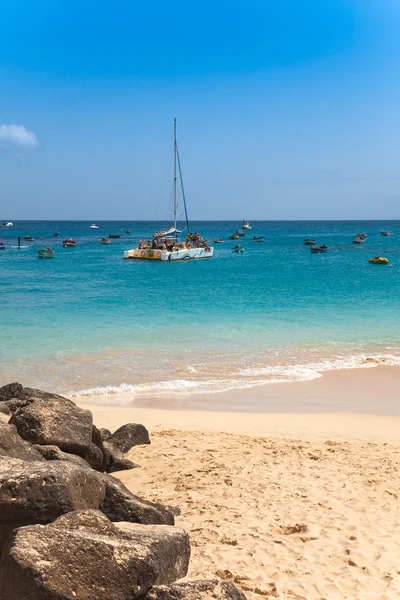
193	240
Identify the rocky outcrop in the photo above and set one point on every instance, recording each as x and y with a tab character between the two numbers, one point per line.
54	453
11	390
98	441
201	589
169	545
105	434
128	436
11	444
4	409
115	460
39	492
82	555
121	505
56	422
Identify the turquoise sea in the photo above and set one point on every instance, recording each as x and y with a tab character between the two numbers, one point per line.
89	322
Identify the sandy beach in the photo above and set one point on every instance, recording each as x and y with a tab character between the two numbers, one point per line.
297	504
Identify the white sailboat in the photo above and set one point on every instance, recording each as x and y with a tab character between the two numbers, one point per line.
165	245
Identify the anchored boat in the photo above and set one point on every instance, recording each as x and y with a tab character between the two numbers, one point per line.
238	249
7	224
246	224
378	260
386	233
69	243
165	245
104	240
46	253
259	238
319	249
309	242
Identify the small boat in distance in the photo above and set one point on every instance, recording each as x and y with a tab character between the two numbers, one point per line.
93	226
234	236
359	238
378	260
319	249
259	238
128	232
46	253
386	233
238	248
56	234
2	246
114	235
240	232
69	243
7	224
246	224
29	238
309	242
216	241
104	240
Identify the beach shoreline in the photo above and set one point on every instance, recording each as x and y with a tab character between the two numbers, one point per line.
284	503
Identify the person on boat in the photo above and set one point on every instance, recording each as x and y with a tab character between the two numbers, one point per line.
154	244
19	241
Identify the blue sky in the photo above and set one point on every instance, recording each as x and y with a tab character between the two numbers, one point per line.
285	110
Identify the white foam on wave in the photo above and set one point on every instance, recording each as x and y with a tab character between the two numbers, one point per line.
241	379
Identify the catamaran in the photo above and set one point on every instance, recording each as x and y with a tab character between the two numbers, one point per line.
165	245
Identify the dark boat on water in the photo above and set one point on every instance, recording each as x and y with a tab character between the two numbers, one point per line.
309	242
319	249
114	235
69	243
259	238
56	234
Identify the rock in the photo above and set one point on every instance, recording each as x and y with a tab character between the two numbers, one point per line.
116	461
128	436
55	422
105	433
10	390
169	545
54	453
84	556
202	589
121	505
97	441
95	457
4	409
40	491
11	444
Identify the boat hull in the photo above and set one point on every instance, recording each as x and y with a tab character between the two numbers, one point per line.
164	255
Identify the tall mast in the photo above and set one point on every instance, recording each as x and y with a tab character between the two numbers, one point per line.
175	173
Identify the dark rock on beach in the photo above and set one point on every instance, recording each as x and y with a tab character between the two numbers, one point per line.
201	589
11	444
83	555
56	422
11	390
39	492
115	460
54	453
121	505
105	434
128	436
169	545
4	409
98	441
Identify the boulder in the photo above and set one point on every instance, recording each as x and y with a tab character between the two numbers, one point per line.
169	545
101	465
57	422
40	491
105	433
10	390
128	436
4	409
54	453
95	457
121	505
201	589
11	444
116	461
84	556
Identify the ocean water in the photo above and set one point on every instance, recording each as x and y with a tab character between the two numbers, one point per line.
90	323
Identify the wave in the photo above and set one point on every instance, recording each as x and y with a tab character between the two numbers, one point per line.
239	379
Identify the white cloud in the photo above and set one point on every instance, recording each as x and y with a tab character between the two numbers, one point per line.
17	134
